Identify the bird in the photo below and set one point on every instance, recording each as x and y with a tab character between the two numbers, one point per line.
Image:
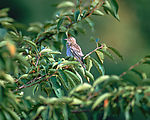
73	49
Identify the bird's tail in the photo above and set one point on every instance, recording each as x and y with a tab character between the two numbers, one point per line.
81	61
79	58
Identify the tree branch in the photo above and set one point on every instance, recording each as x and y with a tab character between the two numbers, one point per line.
99	4
25	86
93	51
133	66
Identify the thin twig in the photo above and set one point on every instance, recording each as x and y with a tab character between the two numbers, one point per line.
99	4
132	67
24	86
79	111
93	51
96	6
37	60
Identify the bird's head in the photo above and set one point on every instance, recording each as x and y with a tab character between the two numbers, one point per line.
71	40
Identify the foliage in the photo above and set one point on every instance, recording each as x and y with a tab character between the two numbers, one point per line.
30	57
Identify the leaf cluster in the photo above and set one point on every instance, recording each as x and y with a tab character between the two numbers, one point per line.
30	57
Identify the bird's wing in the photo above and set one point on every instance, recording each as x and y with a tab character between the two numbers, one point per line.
78	57
77	49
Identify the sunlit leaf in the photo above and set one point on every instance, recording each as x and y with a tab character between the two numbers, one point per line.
88	74
4	12
35	89
98	12
49	51
98	66
111	6
107	53
100	80
66	4
89	64
100	99
76	102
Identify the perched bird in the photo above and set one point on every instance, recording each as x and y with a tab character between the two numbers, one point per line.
73	49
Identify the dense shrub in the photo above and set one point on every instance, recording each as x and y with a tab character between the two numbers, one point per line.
30	58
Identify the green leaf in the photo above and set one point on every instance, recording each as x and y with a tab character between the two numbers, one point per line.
13	114
66	63
56	86
49	51
4	12
74	76
65	113
107	53
35	89
98	12
39	110
147	56
111	6
145	82
59	23
146	62
100	80
138	73
127	113
7	116
63	79
2	115
115	8
116	52
100	99
8	25
3	43
70	80
66	4
6	20
24	76
81	87
76	101
52	100
77	15
8	77
22	60
88	63
100	56
31	43
98	66
88	74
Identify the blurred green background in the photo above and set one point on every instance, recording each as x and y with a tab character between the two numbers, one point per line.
130	36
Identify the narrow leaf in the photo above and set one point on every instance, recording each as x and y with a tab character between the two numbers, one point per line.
98	12
59	23
116	52
99	67
77	15
100	99
35	89
66	4
74	76
100	80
